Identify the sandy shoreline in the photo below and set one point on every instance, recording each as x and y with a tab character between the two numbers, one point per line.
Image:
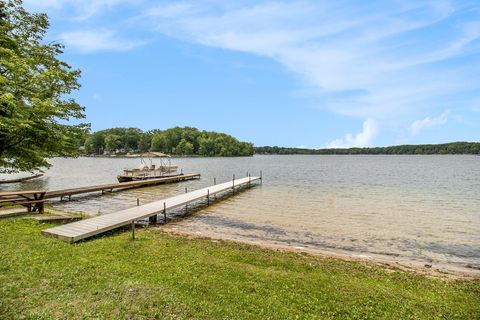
392	263
445	271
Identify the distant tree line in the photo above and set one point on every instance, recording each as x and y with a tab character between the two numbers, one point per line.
178	141
446	148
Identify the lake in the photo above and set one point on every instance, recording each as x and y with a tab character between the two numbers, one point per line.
415	208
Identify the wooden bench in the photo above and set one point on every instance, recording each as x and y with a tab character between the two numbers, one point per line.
33	200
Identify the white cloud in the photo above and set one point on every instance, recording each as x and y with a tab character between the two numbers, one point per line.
362	139
429	122
87	41
363	59
368	59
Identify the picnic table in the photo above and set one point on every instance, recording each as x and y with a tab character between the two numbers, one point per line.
33	200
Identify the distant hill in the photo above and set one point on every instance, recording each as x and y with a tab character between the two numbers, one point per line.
186	141
445	148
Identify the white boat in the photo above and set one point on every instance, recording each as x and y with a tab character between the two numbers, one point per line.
150	171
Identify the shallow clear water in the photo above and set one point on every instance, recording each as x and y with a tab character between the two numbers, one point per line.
424	208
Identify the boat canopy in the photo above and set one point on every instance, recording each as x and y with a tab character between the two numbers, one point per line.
154	154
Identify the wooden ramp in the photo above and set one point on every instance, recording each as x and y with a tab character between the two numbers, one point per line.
90	227
119	186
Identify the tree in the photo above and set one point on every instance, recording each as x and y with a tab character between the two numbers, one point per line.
173	137
207	147
131	138
159	142
145	141
34	88
112	142
182	141
184	148
95	143
191	135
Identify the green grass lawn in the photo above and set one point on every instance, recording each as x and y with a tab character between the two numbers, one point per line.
170	277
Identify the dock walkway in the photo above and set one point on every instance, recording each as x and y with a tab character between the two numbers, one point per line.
90	227
67	193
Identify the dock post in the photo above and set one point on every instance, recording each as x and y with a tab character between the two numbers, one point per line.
233	184
261	177
133	230
208	197
215	183
138	202
186	204
153	219
249	180
164	213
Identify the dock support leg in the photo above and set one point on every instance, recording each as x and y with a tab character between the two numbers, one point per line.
186	204
133	230
153	219
208	197
69	197
261	177
138	202
164	213
233	184
214	183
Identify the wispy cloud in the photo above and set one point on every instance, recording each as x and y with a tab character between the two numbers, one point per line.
362	139
88	41
81	9
380	60
429	122
364	60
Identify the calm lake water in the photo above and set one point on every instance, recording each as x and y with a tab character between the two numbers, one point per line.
417	208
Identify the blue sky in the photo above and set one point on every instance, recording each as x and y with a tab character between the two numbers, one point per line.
291	73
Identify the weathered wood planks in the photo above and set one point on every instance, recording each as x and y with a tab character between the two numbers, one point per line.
89	227
120	186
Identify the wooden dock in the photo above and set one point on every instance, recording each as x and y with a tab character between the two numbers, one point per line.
68	193
90	227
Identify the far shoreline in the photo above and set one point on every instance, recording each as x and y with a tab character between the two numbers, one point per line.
266	155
